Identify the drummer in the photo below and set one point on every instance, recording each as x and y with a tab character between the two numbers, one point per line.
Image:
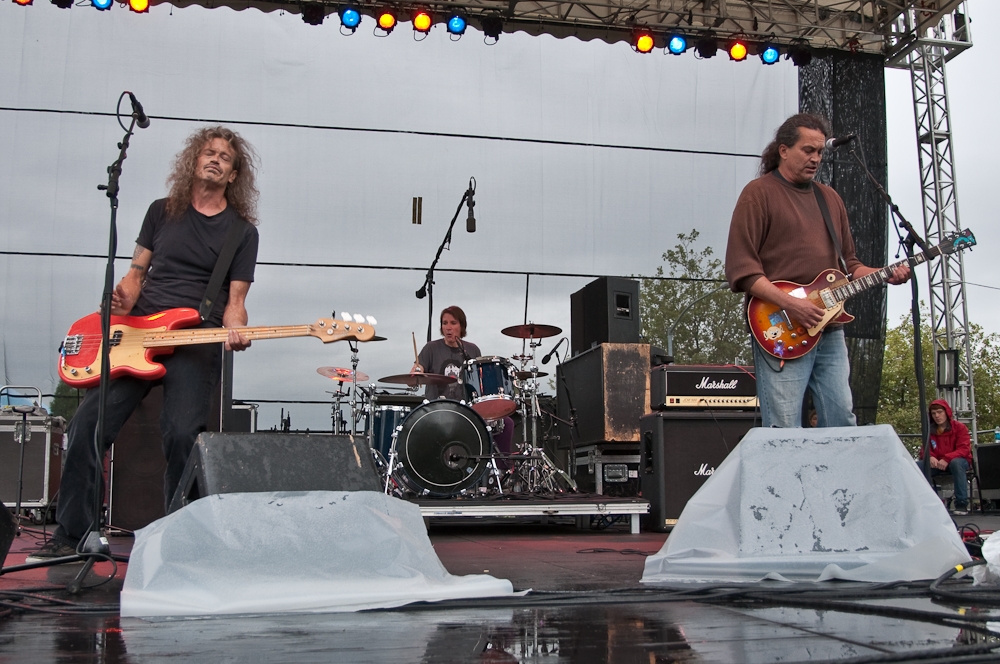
447	356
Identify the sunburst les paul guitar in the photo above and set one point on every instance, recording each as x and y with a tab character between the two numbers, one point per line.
785	338
135	340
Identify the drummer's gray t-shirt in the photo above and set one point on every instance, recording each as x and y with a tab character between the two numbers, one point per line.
440	358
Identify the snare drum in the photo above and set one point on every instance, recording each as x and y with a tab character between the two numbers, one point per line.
489	385
385	420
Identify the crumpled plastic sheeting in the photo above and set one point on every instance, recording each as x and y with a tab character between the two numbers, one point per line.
988	574
811	504
274	552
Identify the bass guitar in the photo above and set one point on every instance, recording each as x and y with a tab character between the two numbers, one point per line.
136	340
783	337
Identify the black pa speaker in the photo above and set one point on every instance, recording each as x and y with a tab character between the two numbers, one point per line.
8	530
274	461
604	311
988	467
678	451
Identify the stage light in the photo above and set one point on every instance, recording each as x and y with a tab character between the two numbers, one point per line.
800	54
457	24
737	50
769	53
707	46
677	44
492	27
23	3
642	41
386	20
313	14
63	4
422	21
350	18
139	6
101	4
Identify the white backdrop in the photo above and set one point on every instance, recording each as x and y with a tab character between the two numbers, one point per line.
344	196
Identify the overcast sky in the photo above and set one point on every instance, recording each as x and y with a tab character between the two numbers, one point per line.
336	187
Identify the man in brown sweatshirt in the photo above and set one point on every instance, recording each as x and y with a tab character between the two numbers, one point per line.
778	233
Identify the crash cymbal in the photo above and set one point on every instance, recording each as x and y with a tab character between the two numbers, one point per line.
525	375
415	379
341	374
531	331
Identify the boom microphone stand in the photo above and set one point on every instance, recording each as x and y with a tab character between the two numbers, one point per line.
908	242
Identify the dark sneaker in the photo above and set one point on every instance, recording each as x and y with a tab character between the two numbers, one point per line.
53	549
960	510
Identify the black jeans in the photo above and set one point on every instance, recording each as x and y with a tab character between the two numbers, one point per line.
192	376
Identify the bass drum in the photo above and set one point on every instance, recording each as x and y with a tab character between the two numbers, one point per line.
437	448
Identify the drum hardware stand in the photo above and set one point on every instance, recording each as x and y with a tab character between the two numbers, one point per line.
354	375
337	420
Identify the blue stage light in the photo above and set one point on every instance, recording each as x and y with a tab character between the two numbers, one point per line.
350	17
457	25
677	44
769	54
101	4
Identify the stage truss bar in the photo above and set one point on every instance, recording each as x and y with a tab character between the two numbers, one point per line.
870	26
926	60
613	507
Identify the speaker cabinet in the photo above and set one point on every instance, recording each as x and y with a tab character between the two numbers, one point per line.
679	450
42	460
604	311
988	467
273	461
608	386
8	531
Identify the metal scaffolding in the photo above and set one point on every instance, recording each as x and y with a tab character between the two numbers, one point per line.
925	52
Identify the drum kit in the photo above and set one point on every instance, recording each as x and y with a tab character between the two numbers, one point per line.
446	448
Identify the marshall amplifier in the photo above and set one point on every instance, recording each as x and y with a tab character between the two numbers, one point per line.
678	451
702	386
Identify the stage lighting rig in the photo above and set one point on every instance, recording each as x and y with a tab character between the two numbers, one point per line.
642	40
737	48
677	43
350	18
422	21
707	45
386	20
457	25
139	6
800	54
313	13
769	53
492	27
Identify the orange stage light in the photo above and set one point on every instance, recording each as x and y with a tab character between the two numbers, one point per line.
23	2
422	21
644	42
387	21
737	51
138	6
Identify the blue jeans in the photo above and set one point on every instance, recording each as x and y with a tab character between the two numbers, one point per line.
192	375
957	468
825	372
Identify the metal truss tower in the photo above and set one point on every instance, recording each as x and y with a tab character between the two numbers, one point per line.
940	37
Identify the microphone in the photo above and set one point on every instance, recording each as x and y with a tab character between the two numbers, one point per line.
470	223
422	292
138	113
834	143
548	356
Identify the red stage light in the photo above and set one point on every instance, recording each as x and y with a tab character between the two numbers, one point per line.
138	6
737	51
643	41
386	20
23	2
422	21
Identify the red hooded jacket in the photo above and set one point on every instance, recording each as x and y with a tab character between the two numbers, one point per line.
953	442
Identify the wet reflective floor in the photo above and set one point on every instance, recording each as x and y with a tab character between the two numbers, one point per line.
577	616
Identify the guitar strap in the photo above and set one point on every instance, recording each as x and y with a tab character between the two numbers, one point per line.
821	200
222	264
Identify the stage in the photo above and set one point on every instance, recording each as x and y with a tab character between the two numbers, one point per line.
585	605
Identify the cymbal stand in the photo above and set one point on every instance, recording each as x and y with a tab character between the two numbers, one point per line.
354	376
338	423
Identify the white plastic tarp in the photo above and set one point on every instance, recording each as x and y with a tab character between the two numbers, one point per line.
841	503
319	551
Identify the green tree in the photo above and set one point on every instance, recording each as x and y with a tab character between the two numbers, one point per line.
899	404
713	330
65	401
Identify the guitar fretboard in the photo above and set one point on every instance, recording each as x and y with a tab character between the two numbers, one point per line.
879	277
219	334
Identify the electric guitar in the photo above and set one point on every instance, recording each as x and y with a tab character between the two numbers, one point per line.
135	340
781	336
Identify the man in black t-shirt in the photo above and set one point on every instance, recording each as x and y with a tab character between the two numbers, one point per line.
211	188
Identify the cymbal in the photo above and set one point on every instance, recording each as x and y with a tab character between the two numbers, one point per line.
341	375
415	379
531	331
525	375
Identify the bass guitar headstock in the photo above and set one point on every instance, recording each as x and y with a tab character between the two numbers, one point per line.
356	327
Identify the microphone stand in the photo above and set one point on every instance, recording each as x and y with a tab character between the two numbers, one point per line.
572	422
908	242
427	289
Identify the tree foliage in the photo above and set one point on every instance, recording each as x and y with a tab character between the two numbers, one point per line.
713	329
65	401
899	397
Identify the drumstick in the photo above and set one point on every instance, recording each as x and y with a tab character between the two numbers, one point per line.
416	357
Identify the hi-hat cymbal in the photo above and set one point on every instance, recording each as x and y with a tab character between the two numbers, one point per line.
525	375
531	331
341	375
416	379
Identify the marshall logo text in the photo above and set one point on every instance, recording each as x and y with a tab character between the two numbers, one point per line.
704	471
707	384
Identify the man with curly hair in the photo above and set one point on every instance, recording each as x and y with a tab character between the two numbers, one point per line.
212	187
